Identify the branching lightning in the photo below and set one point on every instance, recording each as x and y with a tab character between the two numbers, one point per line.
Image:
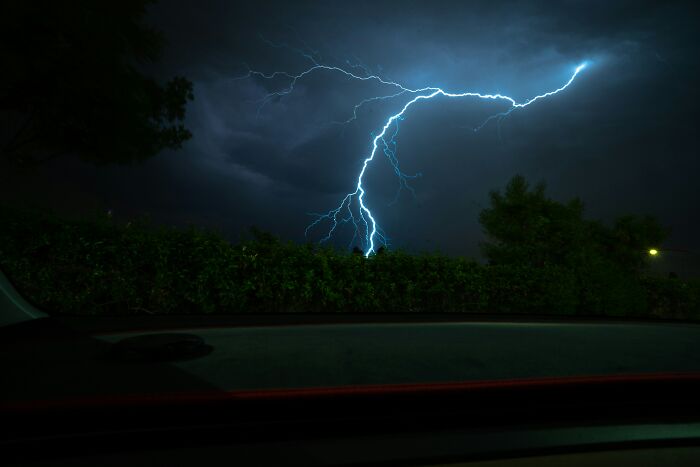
365	224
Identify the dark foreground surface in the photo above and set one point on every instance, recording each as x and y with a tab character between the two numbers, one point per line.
59	359
396	391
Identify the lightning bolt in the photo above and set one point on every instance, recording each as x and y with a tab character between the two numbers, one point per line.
365	224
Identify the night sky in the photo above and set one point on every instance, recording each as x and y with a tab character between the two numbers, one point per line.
623	137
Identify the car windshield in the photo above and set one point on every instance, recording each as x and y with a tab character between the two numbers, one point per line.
484	158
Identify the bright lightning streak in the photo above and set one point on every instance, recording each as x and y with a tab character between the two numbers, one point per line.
343	213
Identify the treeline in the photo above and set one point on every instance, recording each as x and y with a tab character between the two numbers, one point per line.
98	266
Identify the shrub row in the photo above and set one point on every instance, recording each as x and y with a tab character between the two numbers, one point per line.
100	267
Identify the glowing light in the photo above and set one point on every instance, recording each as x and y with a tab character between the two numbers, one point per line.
653	252
364	222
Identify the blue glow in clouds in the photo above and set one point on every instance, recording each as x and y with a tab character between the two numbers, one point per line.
365	224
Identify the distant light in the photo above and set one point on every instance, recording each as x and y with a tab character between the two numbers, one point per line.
653	252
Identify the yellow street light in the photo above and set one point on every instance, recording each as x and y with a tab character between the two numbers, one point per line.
653	251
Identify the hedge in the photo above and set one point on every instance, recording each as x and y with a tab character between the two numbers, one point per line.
98	266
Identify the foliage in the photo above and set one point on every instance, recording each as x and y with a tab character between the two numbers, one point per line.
673	298
73	83
98	266
523	226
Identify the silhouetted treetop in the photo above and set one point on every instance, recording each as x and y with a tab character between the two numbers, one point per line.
523	226
73	83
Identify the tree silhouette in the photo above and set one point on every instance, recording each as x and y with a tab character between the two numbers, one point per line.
526	229
523	226
73	83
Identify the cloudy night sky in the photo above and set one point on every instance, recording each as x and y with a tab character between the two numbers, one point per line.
622	137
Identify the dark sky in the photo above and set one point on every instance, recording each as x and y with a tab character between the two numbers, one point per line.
623	137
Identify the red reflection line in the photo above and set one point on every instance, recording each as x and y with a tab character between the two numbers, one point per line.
334	391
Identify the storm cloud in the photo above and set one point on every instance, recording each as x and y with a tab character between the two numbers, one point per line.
623	138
